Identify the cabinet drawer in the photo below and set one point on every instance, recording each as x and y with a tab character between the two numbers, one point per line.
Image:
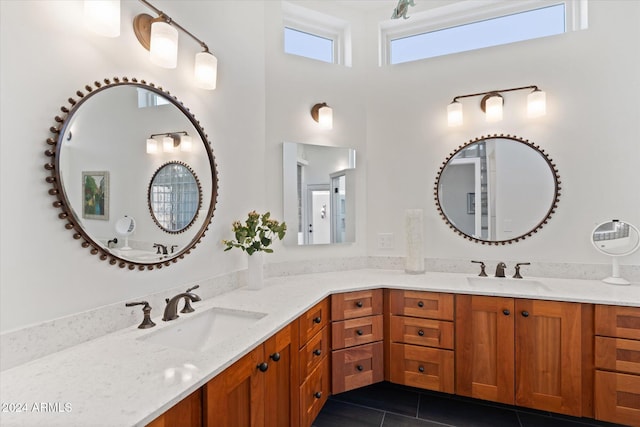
363	330
427	332
617	321
618	354
431	305
350	305
617	398
357	367
313	353
316	318
423	367
314	393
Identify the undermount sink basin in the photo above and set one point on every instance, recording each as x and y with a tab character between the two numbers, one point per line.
202	331
505	282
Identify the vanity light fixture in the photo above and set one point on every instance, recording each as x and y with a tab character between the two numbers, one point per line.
102	17
323	114
171	142
492	103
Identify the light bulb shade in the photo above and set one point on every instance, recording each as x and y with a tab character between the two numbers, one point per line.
493	108
206	70
152	146
454	113
325	117
102	17
163	50
167	144
536	104
186	143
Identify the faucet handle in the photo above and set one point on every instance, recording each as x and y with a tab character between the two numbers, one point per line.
482	266
146	322
193	287
187	301
517	275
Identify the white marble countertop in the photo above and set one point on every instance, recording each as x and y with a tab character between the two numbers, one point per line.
119	380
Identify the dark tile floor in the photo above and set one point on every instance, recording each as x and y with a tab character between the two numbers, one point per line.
391	405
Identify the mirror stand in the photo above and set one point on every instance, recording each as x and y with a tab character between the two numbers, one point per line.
616	238
615	278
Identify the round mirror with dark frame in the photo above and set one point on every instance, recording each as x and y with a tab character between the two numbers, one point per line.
497	189
107	142
174	197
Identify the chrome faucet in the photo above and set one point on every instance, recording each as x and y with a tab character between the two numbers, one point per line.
500	269
171	309
162	249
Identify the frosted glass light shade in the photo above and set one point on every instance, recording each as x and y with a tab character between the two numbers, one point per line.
167	144
454	114
536	104
493	108
163	50
102	17
325	117
152	146
206	70
186	143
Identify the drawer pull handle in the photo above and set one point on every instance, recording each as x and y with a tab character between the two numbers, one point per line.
421	332
420	304
360	367
317	394
359	304
421	368
506	312
317	352
525	314
275	357
263	367
317	319
359	332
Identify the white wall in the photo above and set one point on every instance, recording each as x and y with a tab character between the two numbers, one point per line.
393	116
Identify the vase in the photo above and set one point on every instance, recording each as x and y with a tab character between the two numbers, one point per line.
414	229
255	271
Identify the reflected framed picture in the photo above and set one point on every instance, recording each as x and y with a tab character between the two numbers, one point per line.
95	195
471	203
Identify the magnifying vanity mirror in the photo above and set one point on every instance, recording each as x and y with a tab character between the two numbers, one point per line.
318	193
497	189
616	239
171	193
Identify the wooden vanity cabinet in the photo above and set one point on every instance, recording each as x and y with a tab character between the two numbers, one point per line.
523	352
258	389
420	339
186	413
617	361
357	333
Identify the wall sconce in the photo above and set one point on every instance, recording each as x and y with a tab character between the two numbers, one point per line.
102	17
492	102
158	35
171	142
323	114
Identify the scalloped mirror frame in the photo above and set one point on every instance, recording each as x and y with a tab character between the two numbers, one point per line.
544	221
62	202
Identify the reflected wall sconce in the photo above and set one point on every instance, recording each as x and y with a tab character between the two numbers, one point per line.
171	142
492	103
323	114
158	35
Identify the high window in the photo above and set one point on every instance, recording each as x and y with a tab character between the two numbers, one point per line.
309	45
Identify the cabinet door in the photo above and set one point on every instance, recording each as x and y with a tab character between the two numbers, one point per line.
484	348
314	392
618	398
357	367
549	356
422	367
186	413
235	398
281	392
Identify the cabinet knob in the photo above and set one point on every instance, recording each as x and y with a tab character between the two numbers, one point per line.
359	367
317	394
420	304
421	332
506	312
359	332
359	304
275	357
317	352
525	314
317	319
421	368
263	367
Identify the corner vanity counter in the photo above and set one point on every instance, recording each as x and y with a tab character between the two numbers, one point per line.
133	376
